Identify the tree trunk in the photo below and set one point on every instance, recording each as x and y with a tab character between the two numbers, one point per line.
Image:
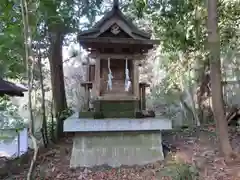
215	76
57	79
29	67
43	107
203	94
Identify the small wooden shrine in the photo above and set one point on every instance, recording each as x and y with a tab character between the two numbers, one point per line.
112	83
110	133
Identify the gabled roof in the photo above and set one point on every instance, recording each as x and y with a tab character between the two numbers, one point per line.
11	89
115	16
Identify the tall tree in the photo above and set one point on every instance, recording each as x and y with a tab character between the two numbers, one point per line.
43	104
215	76
61	18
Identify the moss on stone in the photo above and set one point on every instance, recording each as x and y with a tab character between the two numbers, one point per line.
139	114
98	115
118	109
85	114
114	109
119	114
109	106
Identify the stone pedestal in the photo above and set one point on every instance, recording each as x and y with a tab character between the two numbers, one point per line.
116	149
116	141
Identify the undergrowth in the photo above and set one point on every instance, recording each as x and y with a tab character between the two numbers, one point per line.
179	171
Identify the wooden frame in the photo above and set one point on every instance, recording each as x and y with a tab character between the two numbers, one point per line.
118	56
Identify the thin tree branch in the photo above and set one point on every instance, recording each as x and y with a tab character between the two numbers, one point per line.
29	69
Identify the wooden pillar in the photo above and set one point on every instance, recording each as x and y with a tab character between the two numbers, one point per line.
87	70
87	87
92	73
136	84
85	99
140	97
144	98
135	79
97	77
87	96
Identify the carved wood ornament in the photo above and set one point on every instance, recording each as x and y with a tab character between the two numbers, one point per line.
115	29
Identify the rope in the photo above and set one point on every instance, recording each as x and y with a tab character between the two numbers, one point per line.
110	77
127	78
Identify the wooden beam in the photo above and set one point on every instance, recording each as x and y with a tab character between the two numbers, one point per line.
118	40
143	84
86	84
117	56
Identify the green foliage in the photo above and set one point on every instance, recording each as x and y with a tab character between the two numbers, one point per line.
140	6
183	54
181	27
47	18
51	128
46	15
65	114
11	47
64	16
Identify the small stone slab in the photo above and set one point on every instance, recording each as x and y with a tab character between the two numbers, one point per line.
75	124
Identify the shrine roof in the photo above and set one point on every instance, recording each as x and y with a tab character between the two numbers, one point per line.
8	88
114	18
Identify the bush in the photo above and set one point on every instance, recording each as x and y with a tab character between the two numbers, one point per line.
66	113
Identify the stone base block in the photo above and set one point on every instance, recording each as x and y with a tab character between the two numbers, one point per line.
116	148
